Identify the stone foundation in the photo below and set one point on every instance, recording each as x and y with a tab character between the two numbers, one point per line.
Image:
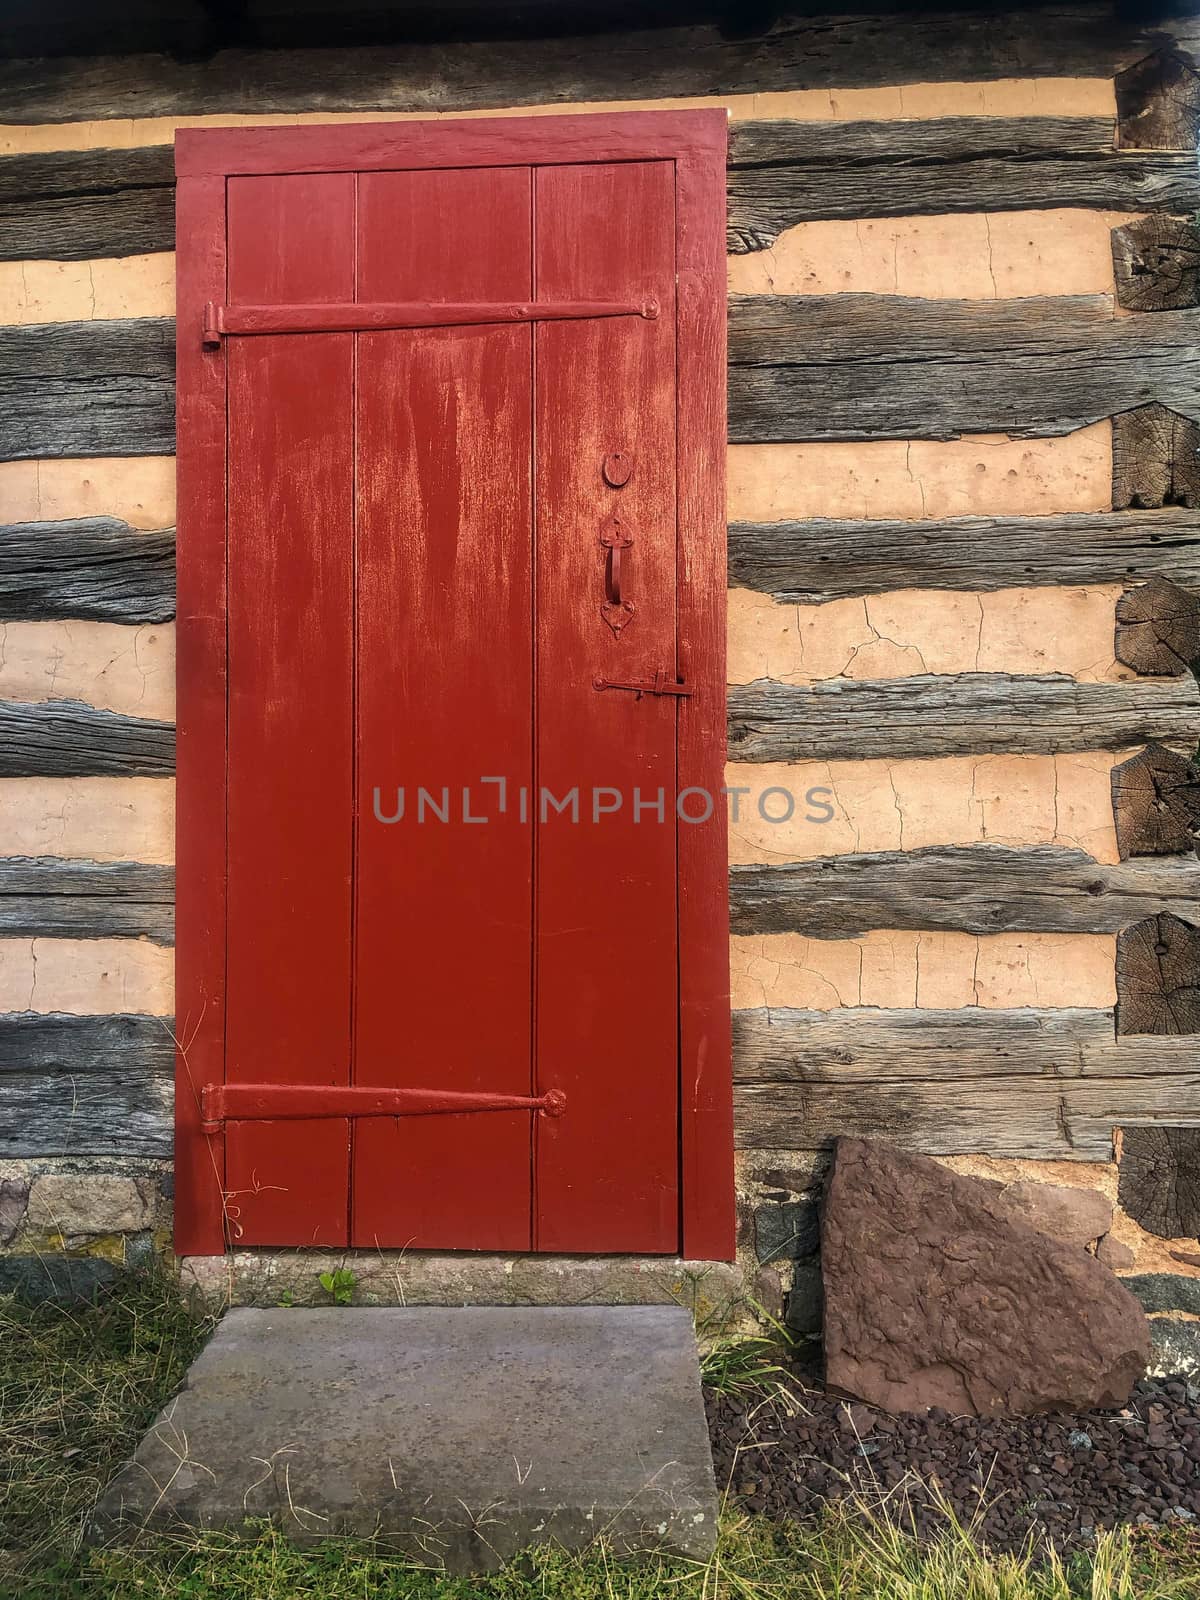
100	1215
67	1225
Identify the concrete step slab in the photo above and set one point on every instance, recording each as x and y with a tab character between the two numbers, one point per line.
460	1435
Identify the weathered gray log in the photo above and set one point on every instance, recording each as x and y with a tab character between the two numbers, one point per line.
1008	1117
67	739
1156	459
1156	261
1158	104
72	1086
975	713
57	897
782	173
94	569
88	388
1156	804
863	366
986	888
798	52
1047	1084
1158	628
74	204
862	1045
827	559
801	367
1017	1117
1158	977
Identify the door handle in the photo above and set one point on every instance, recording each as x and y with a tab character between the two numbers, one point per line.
614	538
612	575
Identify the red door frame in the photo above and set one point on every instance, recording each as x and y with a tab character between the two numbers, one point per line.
695	141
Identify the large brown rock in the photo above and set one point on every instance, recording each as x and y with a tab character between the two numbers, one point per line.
936	1294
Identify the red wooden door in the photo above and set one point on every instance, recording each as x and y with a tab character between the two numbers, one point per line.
452	970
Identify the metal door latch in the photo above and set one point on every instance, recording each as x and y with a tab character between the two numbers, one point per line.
660	684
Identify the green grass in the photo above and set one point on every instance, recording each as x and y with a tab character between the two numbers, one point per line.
747	1364
76	1390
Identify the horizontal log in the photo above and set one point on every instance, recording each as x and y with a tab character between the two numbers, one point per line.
986	888
796	52
974	713
830	559
782	173
814	367
184	29
1017	1083
972	888
863	1045
1042	1084
827	559
1008	1117
73	1086
88	389
93	569
76	205
867	366
44	897
67	739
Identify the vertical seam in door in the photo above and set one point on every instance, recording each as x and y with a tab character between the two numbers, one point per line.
534	1059
226	353
351	1063
680	568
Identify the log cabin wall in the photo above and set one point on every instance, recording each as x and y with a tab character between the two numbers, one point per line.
964	552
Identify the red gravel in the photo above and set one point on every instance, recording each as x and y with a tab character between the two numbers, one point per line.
1058	1477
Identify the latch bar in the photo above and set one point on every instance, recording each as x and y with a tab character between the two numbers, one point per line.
371	316
659	684
271	1102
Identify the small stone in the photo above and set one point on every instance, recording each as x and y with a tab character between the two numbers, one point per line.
1078	1440
1114	1255
1076	1216
61	1280
87	1203
786	1232
805	1298
14	1196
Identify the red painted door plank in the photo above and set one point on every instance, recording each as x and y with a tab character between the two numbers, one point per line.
444	700
200	739
290	542
705	1023
606	1173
